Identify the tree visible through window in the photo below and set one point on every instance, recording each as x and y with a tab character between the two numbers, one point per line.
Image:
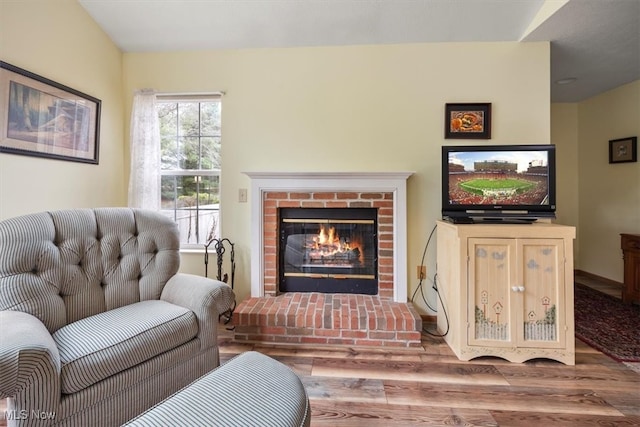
190	141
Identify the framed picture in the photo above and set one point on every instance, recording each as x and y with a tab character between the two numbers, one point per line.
467	121
623	150
42	118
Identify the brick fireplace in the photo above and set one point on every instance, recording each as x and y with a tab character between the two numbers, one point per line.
329	249
381	201
329	318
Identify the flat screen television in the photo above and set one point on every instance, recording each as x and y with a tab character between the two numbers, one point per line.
498	183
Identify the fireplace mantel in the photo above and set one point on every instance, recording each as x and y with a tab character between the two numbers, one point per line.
395	182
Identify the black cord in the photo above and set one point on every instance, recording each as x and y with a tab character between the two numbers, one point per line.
419	287
444	311
435	288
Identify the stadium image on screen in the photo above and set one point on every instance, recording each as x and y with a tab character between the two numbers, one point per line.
498	178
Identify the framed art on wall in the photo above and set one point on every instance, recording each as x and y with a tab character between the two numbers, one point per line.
43	118
623	150
467	121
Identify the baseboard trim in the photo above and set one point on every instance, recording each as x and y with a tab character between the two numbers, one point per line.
426	318
598	278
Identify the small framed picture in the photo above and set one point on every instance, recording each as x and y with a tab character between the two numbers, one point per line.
623	150
467	121
42	118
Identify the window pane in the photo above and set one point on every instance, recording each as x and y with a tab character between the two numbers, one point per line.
193	202
168	118
168	152
168	123
209	190
189	118
210	119
168	192
210	153
189	153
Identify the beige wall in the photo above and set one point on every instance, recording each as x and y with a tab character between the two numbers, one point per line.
564	134
609	194
58	40
356	108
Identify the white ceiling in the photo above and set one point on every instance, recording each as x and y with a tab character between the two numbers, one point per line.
595	41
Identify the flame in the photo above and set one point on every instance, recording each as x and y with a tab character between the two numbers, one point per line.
328	243
327	239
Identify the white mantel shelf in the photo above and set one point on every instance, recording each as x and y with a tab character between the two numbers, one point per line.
329	175
388	181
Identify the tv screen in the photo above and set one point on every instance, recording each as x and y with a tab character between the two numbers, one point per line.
498	183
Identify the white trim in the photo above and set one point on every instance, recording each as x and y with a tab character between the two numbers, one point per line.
189	97
396	182
190	172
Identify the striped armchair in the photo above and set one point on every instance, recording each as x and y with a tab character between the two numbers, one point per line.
96	323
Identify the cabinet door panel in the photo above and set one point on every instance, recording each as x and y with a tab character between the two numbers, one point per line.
491	271
541	287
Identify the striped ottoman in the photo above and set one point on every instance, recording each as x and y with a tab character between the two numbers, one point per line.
249	390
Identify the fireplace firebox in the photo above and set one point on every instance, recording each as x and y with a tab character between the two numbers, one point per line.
330	250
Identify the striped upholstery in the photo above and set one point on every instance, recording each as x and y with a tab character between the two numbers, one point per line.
106	314
67	265
205	302
250	390
29	361
99	346
104	404
28	280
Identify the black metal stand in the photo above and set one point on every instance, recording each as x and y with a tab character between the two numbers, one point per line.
220	249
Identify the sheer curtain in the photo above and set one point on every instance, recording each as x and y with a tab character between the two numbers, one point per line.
144	178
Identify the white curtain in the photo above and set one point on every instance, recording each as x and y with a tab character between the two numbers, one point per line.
144	179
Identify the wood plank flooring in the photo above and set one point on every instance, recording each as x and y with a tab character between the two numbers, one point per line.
599	284
430	386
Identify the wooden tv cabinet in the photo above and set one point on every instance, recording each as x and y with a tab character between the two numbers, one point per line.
507	290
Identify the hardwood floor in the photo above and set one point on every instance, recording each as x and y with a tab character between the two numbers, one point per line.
602	285
430	386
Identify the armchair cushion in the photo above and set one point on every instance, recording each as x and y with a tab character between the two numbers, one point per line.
96	347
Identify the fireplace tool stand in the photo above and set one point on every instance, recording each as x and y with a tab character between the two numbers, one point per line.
220	247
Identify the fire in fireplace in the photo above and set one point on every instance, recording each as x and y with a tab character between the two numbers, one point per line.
331	250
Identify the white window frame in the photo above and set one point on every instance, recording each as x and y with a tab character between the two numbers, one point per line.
195	97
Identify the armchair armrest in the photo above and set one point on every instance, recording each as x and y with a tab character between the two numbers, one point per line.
207	298
29	359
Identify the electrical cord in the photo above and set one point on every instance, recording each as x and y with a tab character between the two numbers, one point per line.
444	311
424	254
419	287
435	288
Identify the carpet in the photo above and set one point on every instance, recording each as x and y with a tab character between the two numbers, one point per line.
606	324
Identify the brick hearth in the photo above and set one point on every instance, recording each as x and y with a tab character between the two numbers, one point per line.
322	318
339	319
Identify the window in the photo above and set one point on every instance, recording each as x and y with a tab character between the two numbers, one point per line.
190	141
